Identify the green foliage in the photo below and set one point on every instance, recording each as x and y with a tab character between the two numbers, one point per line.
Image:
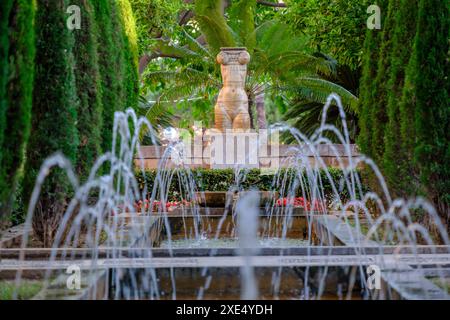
88	83
27	290
225	180
5	8
209	16
280	63
367	98
54	114
334	27
432	112
378	115
109	57
129	52
305	112
155	18
245	13
396	162
117	52
18	44
405	113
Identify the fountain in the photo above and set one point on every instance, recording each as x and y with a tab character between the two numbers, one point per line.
313	235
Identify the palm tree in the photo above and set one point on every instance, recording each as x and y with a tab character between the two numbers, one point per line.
305	113
280	61
158	116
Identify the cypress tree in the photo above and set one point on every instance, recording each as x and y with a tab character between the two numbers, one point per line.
118	61
54	115
367	99
378	112
110	65
88	83
397	168
15	92
5	8
432	112
130	53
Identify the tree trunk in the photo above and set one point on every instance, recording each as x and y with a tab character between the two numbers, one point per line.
250	110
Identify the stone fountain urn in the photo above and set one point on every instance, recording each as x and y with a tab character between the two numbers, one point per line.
231	110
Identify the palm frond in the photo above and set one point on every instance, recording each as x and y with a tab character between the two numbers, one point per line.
209	16
318	90
290	63
182	75
196	46
275	37
305	109
163	48
306	117
158	116
242	21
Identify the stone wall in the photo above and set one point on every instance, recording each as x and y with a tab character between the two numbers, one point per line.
276	156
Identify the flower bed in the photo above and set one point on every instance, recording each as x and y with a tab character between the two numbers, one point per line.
300	202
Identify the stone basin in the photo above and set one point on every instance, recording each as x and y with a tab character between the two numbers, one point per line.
223	199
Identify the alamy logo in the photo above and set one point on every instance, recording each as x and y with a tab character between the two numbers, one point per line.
374	277
74	20
74	280
374	21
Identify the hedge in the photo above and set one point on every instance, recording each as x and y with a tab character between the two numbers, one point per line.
224	180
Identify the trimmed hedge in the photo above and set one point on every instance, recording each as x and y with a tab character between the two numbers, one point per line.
224	180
